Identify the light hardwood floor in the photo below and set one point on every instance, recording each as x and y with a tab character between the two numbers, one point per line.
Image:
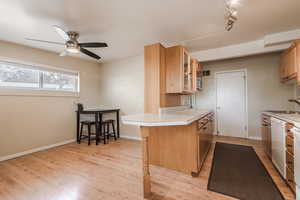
108	172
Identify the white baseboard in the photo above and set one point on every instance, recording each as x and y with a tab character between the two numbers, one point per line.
36	150
254	138
130	137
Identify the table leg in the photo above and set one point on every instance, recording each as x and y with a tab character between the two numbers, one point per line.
100	128
146	173
78	125
97	128
118	124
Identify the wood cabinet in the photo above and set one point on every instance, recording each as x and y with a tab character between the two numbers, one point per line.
195	64
205	129
266	135
168	72
181	71
181	148
289	64
155	80
289	141
297	44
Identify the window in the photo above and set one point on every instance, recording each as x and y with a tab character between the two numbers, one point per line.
58	81
22	76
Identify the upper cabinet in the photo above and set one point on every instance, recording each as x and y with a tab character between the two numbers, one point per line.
186	72
155	80
195	68
297	44
181	71
290	63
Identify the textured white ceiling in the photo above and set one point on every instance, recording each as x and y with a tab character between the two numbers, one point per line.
128	25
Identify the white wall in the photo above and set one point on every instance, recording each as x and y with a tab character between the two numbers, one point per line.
265	92
122	85
28	122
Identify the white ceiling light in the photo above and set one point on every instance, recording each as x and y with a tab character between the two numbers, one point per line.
72	50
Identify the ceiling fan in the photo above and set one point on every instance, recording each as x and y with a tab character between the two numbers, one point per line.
72	45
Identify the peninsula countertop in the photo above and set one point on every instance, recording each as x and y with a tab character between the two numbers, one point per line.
168	118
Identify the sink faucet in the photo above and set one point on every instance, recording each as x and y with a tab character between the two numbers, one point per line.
295	101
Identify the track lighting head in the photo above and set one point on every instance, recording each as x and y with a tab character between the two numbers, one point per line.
231	14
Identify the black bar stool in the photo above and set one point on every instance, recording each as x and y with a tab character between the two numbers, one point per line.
88	123
106	129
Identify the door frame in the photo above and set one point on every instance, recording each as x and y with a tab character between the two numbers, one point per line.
246	98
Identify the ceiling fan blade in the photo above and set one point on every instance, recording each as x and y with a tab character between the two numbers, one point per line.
64	53
91	54
62	33
50	42
93	44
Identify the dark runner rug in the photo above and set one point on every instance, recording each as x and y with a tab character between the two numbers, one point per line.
238	172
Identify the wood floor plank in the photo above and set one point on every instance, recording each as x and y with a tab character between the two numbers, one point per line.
109	172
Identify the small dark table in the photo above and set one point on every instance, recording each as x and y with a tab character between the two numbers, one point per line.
98	113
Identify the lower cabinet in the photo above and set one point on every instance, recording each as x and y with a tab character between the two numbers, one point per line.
266	135
205	129
181	148
289	158
289	148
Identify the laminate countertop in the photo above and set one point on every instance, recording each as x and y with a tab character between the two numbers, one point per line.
168	118
290	118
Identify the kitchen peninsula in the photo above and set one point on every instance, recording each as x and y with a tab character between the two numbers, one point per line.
173	136
177	140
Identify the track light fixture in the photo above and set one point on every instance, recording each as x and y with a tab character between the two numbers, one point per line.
231	14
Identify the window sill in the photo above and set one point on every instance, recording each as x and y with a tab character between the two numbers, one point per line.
37	93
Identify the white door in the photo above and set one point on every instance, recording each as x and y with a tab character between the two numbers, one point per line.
231	103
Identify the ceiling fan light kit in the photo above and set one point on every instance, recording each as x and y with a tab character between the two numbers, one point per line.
72	50
72	45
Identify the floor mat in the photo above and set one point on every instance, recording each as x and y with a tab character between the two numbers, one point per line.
238	172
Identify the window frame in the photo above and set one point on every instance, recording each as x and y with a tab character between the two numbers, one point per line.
40	91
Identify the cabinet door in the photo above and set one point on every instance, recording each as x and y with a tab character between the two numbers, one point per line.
202	144
288	64
292	69
174	69
298	61
178	71
264	137
186	72
282	67
269	140
194	66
